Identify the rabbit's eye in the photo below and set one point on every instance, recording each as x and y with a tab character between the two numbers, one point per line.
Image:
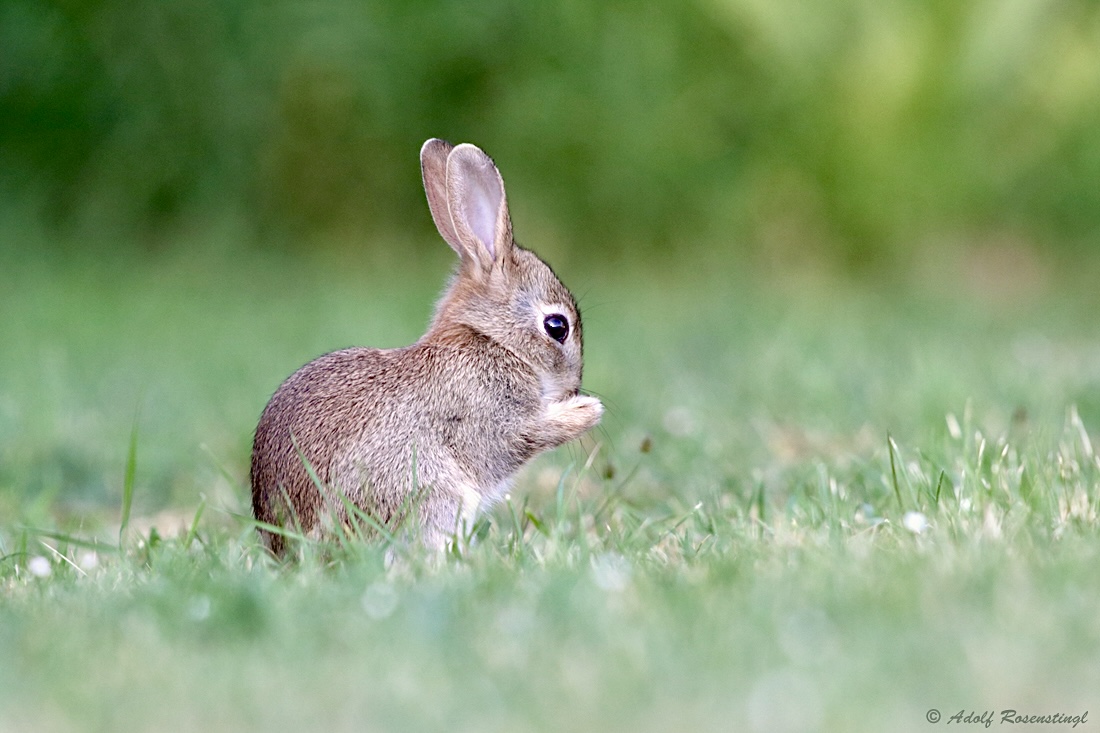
557	327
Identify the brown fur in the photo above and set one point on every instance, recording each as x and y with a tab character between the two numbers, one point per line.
481	393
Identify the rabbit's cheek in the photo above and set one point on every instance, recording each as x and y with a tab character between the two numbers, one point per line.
553	389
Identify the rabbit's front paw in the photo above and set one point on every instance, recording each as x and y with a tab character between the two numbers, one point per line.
576	414
588	409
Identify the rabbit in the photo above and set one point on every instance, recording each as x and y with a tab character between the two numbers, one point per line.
493	382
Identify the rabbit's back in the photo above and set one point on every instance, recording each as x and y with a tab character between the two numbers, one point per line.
359	419
301	430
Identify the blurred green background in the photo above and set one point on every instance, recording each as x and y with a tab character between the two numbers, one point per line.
857	216
841	133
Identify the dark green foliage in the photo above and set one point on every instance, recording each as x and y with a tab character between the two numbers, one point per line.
839	130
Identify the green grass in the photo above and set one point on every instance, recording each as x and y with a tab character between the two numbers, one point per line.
735	549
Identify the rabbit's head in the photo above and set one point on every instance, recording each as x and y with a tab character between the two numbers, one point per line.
500	291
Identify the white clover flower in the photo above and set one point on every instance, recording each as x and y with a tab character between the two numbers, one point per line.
39	567
87	560
915	522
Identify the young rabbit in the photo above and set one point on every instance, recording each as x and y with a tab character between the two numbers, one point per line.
495	381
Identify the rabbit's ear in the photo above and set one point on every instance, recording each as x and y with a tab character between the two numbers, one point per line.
479	211
433	168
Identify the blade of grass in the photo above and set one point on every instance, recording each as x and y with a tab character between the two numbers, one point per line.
274	529
360	516
66	538
759	501
892	447
61	556
192	532
128	478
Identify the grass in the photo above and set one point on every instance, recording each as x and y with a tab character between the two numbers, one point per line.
813	505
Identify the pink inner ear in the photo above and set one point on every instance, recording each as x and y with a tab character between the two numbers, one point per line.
483	205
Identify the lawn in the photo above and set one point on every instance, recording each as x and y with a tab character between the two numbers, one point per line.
815	503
